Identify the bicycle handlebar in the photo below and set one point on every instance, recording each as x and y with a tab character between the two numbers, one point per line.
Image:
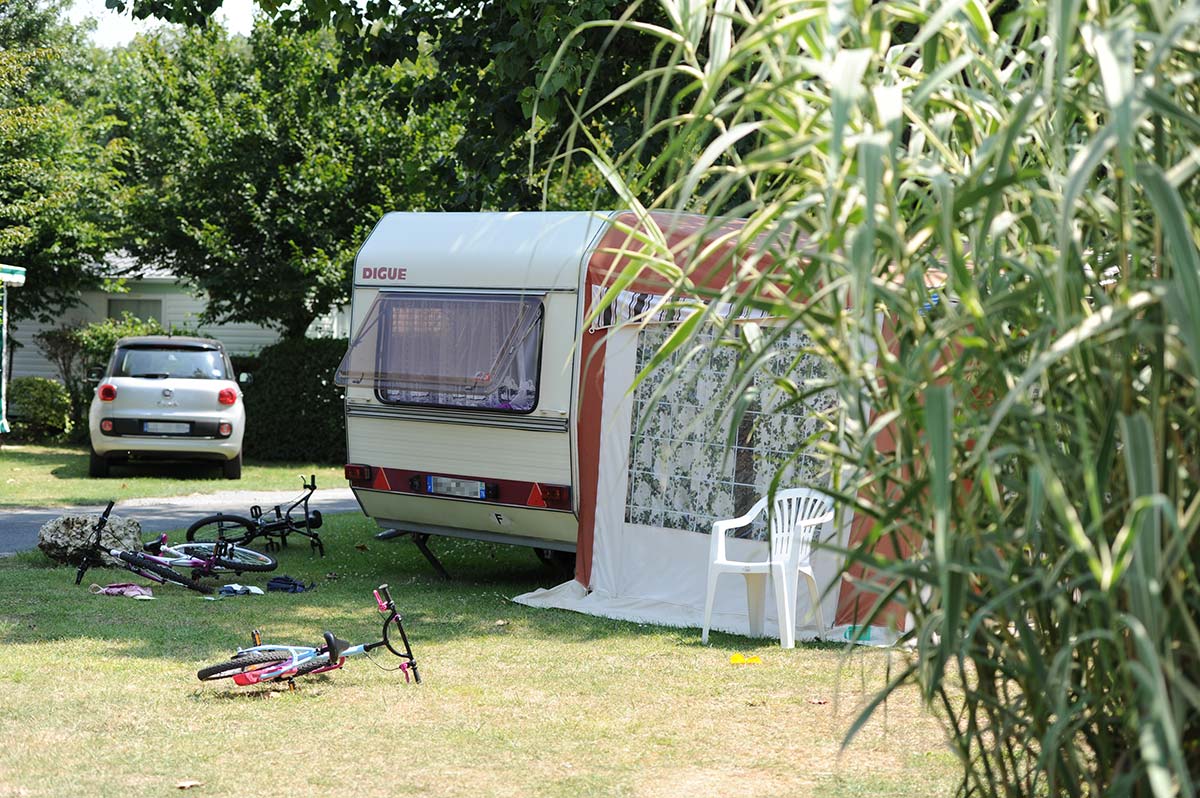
86	563
387	603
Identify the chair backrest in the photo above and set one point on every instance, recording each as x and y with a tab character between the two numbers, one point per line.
796	515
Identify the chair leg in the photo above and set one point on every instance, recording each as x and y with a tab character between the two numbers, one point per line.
756	602
814	598
708	603
785	607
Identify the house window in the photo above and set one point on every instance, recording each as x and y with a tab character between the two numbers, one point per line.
470	351
144	309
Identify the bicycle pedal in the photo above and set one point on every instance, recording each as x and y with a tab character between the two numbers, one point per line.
256	636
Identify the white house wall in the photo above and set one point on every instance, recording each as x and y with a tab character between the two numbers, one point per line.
180	310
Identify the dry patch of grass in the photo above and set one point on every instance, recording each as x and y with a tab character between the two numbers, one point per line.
100	694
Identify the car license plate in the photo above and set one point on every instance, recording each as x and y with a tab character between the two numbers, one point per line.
166	427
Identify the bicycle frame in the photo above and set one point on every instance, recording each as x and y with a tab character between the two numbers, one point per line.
172	558
163	555
283	524
300	656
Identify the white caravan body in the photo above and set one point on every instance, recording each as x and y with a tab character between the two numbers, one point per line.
462	374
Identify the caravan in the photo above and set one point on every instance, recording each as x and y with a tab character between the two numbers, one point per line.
461	376
483	400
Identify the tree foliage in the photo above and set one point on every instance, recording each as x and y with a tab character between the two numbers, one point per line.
1016	200
492	66
59	195
258	168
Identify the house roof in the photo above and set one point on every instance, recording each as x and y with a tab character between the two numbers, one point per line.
121	264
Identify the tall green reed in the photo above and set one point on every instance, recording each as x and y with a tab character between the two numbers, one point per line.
1036	163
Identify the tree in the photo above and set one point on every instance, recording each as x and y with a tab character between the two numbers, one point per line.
258	168
58	181
492	66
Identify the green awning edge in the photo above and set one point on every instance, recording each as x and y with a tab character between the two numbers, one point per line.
12	275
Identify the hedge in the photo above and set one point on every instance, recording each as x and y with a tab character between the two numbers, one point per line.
40	409
294	410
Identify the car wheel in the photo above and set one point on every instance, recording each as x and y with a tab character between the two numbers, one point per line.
232	469
97	465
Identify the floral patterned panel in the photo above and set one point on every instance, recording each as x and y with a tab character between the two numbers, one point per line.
682	473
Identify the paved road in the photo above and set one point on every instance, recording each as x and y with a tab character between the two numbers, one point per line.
19	525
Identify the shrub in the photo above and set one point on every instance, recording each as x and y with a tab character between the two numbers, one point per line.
74	350
96	341
293	408
40	409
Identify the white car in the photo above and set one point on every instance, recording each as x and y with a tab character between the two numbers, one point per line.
167	398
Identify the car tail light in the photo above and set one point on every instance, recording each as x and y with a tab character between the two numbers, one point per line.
227	396
224	429
357	473
106	425
107	392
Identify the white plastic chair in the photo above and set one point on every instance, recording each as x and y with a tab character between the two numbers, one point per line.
796	515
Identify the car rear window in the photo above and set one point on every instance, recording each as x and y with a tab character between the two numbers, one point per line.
164	362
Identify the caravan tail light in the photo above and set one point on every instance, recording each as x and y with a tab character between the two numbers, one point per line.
227	396
357	473
557	496
107	392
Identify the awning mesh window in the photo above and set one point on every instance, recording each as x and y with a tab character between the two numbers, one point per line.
477	351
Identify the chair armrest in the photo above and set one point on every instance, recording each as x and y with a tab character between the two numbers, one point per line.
742	520
720	528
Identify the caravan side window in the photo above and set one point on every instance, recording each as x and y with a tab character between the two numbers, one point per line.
477	351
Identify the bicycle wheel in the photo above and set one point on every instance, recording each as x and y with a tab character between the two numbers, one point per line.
236	558
138	562
242	663
232	528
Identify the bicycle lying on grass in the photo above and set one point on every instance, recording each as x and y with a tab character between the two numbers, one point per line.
158	561
267	663
240	530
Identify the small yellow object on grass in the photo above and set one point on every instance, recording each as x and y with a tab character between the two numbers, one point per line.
742	659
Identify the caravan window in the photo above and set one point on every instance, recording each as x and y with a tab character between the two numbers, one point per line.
474	351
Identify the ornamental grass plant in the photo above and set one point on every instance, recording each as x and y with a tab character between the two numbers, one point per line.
985	217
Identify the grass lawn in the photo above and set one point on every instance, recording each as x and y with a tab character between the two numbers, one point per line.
57	475
100	695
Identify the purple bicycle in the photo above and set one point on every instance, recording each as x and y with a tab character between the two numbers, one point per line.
158	561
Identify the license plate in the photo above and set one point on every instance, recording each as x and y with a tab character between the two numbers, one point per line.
166	427
448	486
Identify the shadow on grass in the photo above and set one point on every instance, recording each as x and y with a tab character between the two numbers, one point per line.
188	470
42	604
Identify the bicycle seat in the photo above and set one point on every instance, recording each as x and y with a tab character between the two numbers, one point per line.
314	519
335	646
